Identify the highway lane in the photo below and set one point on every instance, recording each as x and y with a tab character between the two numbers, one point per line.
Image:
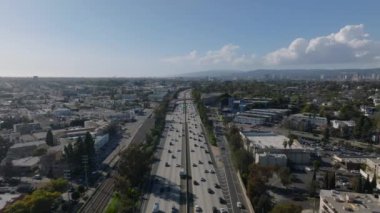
166	190
204	179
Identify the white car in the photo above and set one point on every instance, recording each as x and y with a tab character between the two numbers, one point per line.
156	207
222	210
197	208
239	205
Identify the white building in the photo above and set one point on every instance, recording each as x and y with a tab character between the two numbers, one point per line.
259	142
100	141
337	124
268	159
332	201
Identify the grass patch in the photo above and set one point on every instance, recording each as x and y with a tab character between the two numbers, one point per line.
114	205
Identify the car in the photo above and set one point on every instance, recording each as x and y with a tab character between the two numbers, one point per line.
167	164
216	185
200	162
173	156
192	150
156	207
209	162
195	182
197	208
169	151
222	201
239	205
194	165
203	180
206	151
212	171
209	190
206	171
215	210
37	177
177	165
222	210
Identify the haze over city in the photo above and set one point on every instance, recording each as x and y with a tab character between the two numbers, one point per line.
169	38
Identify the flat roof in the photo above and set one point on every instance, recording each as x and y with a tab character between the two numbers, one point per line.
28	161
7	198
33	143
272	141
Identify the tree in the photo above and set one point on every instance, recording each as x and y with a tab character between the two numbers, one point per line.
313	188
316	165
290	142
326	181
367	185
374	181
284	143
331	180
326	134
285	176
49	138
286	208
8	170
357	184
75	195
57	185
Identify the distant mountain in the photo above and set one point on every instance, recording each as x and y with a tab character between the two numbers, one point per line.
291	74
212	73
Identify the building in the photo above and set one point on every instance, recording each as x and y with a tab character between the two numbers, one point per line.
337	124
100	141
372	167
210	98
306	122
258	142
26	165
21	150
332	201
26	128
61	112
268	159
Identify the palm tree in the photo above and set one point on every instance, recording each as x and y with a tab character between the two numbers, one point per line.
290	142
285	143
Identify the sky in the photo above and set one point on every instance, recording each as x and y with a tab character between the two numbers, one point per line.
155	38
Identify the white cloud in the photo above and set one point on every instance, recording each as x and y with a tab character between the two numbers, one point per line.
349	45
227	55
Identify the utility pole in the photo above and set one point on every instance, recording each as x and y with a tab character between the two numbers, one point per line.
85	166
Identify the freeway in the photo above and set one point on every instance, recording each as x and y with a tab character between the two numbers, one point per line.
208	196
166	192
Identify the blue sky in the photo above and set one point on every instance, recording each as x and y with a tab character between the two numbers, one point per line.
168	37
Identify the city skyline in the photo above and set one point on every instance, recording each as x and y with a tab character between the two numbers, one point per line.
156	39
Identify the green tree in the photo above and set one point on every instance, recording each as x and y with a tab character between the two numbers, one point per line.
285	143
49	138
285	176
57	185
290	142
75	195
357	184
374	181
286	208
367	185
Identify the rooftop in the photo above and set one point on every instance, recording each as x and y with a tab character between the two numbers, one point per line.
269	140
28	161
